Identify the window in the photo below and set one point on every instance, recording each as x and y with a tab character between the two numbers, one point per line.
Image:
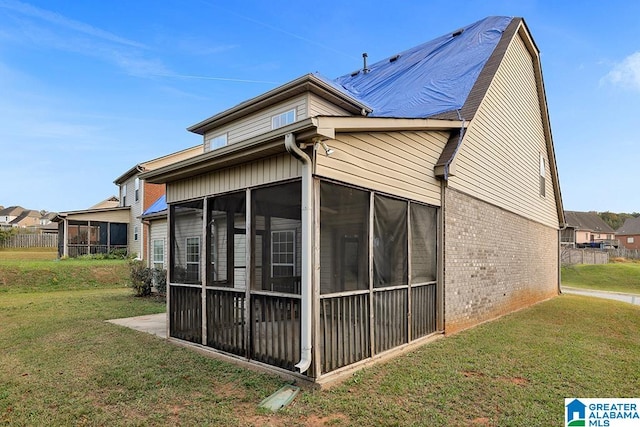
283	253
123	195
283	119
193	258
135	233
158	253
542	175
630	240
217	142
137	188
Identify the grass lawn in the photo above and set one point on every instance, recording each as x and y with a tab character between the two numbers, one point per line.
614	277
63	365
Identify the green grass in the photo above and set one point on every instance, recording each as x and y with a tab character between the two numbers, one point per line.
62	364
55	275
613	277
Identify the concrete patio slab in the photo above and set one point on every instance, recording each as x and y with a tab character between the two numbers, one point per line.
155	324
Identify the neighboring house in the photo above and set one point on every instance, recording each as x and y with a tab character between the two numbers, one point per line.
47	224
331	222
27	219
629	234
587	229
10	213
139	195
114	223
97	230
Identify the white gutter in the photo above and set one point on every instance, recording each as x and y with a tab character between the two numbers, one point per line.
307	246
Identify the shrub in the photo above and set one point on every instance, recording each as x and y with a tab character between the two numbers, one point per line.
141	278
160	279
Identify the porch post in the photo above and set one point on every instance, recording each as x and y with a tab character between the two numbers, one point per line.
371	293
204	259
315	279
65	239
249	263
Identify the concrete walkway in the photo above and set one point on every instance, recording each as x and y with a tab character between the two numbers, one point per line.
618	296
155	324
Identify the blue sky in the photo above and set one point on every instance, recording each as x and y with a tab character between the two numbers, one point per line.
88	89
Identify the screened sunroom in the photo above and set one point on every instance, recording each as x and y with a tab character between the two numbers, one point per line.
237	274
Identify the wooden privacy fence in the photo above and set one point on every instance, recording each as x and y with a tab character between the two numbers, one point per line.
572	256
624	253
31	241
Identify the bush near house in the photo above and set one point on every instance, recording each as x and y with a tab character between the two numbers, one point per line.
143	278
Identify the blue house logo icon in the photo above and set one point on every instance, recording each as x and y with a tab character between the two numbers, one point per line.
576	413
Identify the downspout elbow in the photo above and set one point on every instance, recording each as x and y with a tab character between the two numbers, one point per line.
307	218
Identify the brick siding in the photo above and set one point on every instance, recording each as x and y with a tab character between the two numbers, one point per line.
495	261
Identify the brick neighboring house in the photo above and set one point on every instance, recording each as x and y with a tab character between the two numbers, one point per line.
587	229
629	234
330	223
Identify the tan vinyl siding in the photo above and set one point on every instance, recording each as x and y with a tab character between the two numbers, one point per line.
121	216
398	163
173	158
322	107
499	159
258	123
272	169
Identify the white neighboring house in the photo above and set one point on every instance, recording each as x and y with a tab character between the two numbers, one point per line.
139	195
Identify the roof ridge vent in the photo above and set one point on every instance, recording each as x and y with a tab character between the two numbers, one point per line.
456	33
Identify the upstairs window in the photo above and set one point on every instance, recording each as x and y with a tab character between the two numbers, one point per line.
542	175
137	188
123	196
283	119
217	142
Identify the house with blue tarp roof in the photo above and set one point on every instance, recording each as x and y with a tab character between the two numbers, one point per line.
329	223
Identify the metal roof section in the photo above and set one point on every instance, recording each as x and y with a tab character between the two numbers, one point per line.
429	79
158	207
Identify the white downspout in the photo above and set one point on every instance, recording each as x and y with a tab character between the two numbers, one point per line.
307	249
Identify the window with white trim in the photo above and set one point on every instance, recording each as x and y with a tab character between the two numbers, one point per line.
123	195
193	258
137	188
158	253
542	176
217	142
283	253
283	119
135	233
630	240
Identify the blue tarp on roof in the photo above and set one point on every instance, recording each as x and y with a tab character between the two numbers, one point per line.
428	79
157	206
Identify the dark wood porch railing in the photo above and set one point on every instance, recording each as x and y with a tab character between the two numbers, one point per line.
185	313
